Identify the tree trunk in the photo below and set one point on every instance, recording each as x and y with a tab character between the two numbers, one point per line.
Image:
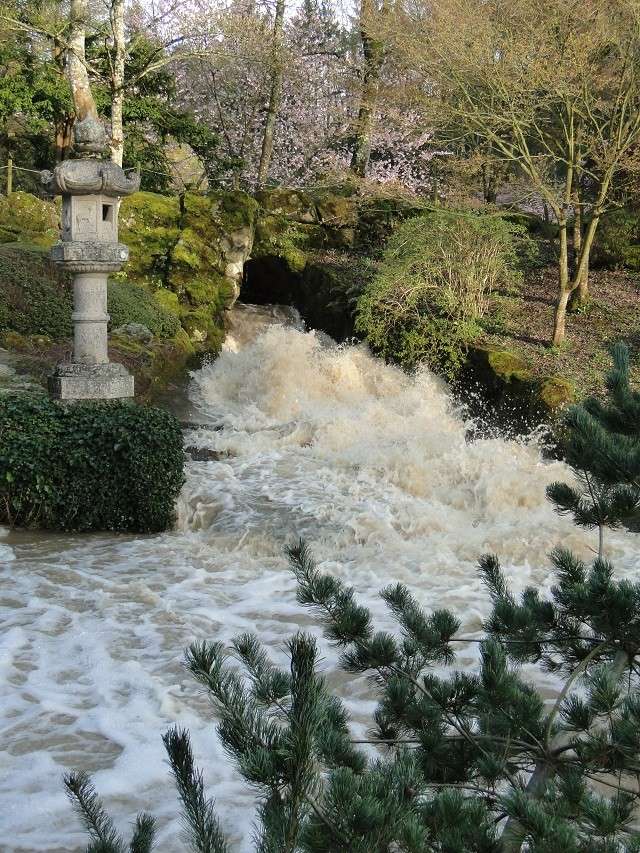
560	317
489	184
63	127
63	131
580	295
83	102
275	95
373	51
567	286
117	80
564	287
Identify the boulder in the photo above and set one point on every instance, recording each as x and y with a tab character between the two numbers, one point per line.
136	331
292	204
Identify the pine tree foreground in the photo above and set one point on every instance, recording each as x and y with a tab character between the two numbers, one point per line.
467	762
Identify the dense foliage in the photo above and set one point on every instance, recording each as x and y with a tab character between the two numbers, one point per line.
150	116
434	284
129	303
618	240
468	762
88	466
35	297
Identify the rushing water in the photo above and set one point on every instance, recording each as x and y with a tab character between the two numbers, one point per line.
370	465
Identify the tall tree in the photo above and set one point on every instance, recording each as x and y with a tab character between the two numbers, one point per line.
116	17
553	88
373	51
275	93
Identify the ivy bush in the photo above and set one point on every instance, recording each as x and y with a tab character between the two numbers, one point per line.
88	465
434	284
129	303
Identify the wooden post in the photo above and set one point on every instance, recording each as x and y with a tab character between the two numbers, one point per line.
9	175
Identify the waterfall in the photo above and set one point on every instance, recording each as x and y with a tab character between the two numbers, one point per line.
372	466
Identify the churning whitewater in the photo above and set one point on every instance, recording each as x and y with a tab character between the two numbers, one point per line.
371	466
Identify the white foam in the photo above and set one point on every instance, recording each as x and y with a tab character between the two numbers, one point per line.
368	464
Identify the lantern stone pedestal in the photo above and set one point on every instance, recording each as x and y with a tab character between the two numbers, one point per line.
89	250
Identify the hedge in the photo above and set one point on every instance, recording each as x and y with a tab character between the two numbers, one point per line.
88	465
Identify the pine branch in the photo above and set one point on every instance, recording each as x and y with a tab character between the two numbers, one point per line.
202	829
143	834
97	822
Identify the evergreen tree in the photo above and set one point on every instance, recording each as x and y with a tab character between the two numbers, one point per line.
603	448
467	762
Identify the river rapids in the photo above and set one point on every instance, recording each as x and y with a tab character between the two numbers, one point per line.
373	467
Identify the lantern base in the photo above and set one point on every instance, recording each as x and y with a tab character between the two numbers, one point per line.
73	381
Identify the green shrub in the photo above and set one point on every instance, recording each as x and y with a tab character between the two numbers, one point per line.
35	297
434	283
617	240
130	303
88	465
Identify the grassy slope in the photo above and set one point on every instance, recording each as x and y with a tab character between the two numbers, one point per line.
522	324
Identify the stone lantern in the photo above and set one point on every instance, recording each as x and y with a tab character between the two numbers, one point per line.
89	249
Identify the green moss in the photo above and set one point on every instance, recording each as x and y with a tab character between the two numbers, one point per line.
212	290
168	300
27	219
203	327
183	342
149	225
508	366
277	236
557	392
337	210
292	204
235	209
178	251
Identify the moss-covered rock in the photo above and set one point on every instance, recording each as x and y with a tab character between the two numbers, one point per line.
337	211
150	226
378	216
190	252
276	236
508	366
512	396
556	393
292	204
24	218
